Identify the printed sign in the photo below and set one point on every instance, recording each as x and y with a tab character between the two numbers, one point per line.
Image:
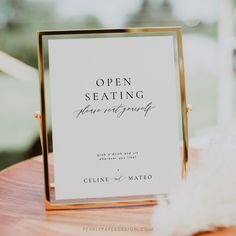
114	116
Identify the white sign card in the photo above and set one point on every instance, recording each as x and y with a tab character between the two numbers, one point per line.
114	116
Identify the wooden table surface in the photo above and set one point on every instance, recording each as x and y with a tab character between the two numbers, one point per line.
22	210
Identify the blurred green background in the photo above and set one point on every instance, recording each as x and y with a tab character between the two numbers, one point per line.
209	53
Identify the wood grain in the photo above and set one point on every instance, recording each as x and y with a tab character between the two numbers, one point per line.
22	210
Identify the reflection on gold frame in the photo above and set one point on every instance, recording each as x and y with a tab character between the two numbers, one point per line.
50	202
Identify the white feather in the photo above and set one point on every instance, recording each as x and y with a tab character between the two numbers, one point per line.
207	199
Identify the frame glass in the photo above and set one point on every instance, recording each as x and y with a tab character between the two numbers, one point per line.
45	121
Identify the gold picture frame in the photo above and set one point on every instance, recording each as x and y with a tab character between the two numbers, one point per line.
50	202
